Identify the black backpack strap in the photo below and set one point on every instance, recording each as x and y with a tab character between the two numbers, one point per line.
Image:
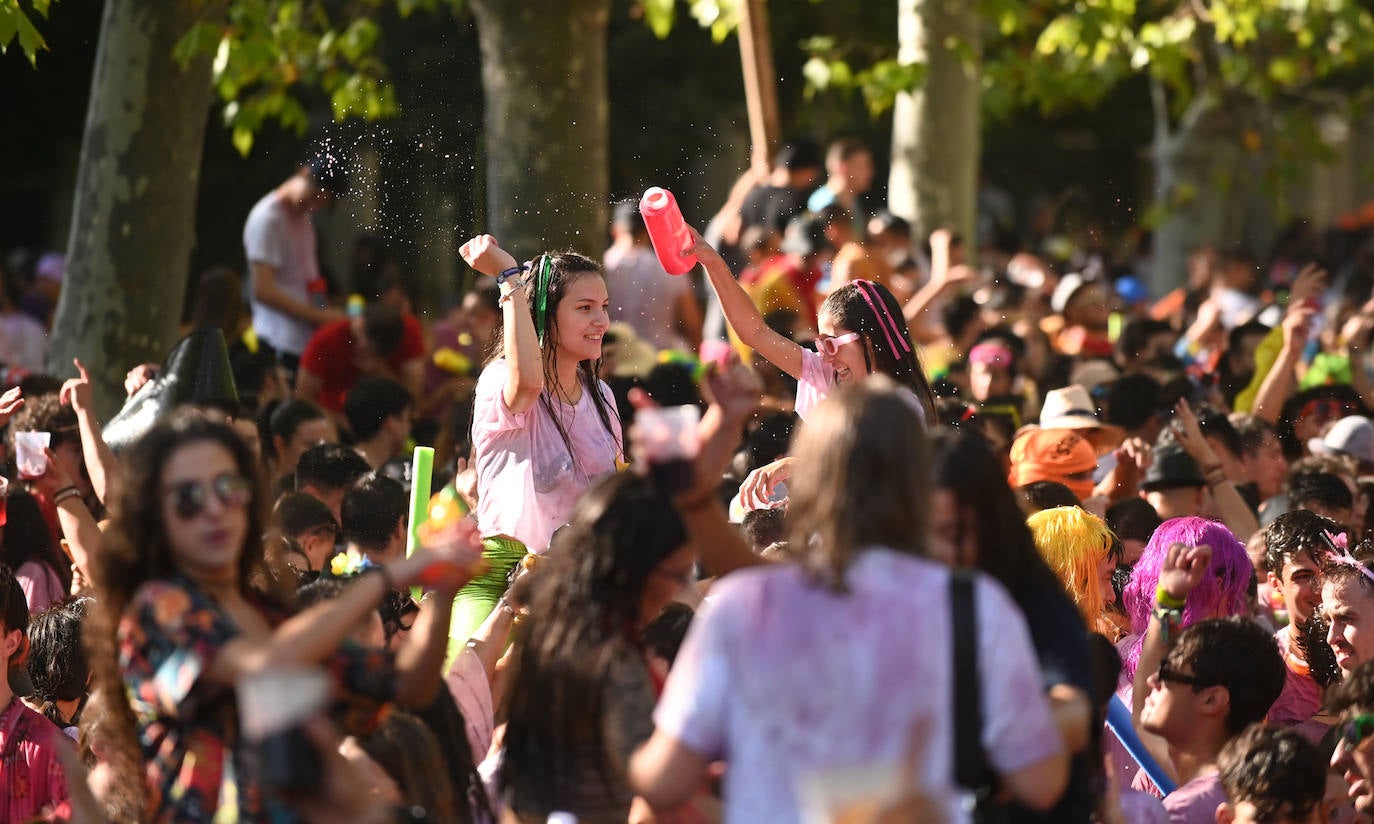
970	769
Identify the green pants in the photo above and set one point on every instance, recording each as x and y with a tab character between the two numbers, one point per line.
479	597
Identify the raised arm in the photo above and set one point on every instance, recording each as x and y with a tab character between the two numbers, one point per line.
101	463
1183	569
1232	508
741	313
525	379
314	634
1282	378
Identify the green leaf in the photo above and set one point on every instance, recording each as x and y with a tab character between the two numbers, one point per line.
243	140
660	15
358	40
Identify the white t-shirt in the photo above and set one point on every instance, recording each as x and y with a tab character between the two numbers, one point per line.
785	678
285	240
527	480
645	296
817	380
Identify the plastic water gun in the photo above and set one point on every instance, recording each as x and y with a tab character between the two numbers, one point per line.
446	509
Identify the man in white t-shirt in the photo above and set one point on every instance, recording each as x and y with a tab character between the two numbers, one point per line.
279	239
661	308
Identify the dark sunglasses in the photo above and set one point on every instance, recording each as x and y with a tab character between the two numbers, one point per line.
190	498
1166	675
1354	730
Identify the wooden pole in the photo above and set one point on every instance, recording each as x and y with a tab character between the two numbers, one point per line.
760	83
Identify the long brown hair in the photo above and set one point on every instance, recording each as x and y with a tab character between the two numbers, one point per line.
566	268
862	478
136	550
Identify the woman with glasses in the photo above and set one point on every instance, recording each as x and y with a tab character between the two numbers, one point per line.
862	333
583	693
186	605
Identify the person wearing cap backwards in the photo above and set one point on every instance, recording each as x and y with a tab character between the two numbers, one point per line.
279	239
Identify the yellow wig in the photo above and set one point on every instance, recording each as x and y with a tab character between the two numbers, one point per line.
1073	542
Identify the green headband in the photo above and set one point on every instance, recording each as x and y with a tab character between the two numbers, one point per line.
541	296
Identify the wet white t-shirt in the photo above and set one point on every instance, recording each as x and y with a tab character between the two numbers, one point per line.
527	479
284	240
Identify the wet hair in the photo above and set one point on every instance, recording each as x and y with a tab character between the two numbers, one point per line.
136	550
1133	519
1275	770
965	466
1073	542
27	538
870	309
1324	488
1334	571
371	510
582	634
1241	656
330	466
1222	592
566	268
384	328
57	662
408	751
1038	496
1293	532
764	527
371	401
663	636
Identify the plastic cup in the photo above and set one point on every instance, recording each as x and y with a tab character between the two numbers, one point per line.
670	441
30	453
273	706
4	498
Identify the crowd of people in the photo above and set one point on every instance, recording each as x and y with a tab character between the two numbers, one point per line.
940	541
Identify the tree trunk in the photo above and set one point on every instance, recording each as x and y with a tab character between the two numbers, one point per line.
133	220
544	85
935	129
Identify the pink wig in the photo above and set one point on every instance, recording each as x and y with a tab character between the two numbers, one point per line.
1220	594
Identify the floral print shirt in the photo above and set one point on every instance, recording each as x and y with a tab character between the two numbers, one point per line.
31	777
199	768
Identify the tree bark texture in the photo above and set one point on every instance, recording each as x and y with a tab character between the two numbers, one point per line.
133	220
935	129
546	133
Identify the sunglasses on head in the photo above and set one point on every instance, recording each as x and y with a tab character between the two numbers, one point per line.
830	346
1356	729
190	498
1166	675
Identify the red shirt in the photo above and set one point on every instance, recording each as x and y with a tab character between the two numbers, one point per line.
329	357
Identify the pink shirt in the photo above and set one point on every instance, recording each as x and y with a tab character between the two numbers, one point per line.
787	679
1301	697
527	480
31	777
1196	802
816	382
42	588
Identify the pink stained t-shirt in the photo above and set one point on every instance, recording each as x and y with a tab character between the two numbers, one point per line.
818	380
527	480
1301	697
1196	802
792	679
